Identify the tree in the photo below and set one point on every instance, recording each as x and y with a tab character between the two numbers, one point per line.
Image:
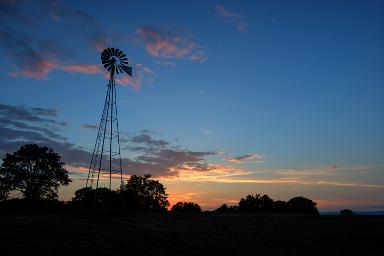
222	208
37	172
302	205
347	212
250	203
266	203
145	194
5	189
279	206
186	207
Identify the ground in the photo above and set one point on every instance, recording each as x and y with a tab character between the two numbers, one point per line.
90	233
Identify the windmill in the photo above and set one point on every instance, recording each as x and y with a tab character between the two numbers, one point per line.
106	157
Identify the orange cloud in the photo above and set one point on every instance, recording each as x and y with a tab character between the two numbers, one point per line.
39	70
228	174
83	68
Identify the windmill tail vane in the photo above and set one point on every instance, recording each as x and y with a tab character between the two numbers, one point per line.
106	157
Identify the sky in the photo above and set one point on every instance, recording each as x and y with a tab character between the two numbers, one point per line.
227	98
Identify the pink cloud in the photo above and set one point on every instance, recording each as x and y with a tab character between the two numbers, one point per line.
83	68
241	26
39	70
134	82
163	43
166	63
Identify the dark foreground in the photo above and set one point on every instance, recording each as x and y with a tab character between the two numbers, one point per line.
205	234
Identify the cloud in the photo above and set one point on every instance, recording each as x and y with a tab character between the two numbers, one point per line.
89	126
168	44
29	62
32	57
22	124
207	131
145	138
243	158
166	63
217	173
83	68
224	13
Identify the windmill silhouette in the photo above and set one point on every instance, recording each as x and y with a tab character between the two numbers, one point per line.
106	157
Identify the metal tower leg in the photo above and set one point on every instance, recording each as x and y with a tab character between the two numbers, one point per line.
106	159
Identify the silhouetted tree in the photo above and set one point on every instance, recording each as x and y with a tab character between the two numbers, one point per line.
266	203
250	203
186	207
302	205
36	172
233	208
105	198
222	208
256	203
5	188
279	206
145	194
346	212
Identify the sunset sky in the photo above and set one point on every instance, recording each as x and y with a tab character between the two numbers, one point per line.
228	98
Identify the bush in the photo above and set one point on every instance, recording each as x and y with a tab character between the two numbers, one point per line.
346	212
186	207
302	205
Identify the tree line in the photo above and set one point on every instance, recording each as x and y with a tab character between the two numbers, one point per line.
32	175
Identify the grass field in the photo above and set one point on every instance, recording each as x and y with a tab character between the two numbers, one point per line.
204	234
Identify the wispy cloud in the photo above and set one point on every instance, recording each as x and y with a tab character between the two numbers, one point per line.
84	68
89	126
31	56
247	157
208	132
165	43
224	13
218	173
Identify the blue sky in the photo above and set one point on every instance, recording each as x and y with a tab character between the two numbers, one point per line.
284	97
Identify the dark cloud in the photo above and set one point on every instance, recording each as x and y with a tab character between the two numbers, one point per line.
21	124
22	113
246	157
166	162
89	126
145	138
31	55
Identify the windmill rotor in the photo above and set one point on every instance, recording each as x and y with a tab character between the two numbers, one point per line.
115	61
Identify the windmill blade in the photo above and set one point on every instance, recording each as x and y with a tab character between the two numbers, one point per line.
107	66
113	51
120	53
109	52
127	69
104	54
121	70
123	56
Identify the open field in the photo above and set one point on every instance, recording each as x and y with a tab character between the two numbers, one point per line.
204	234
